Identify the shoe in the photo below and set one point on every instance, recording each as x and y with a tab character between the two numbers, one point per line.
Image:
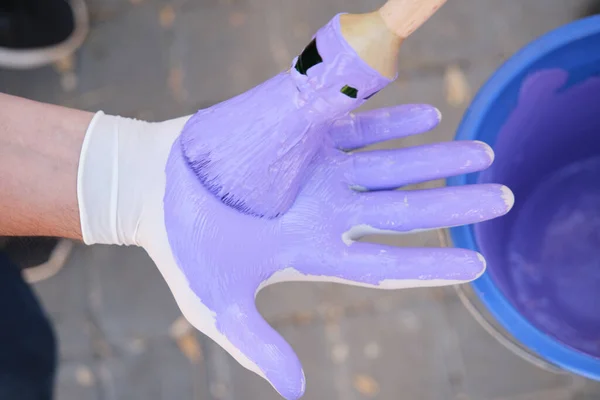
39	257
34	33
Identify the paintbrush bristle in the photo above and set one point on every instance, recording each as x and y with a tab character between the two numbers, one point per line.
246	152
404	17
254	150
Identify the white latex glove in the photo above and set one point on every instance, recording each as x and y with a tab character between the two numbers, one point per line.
123	187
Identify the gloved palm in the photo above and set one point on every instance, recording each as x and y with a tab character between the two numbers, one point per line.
215	259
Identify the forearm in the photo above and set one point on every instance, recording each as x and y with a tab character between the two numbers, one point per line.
40	146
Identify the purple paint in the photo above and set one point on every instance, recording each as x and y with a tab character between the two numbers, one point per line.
227	256
251	151
545	255
278	147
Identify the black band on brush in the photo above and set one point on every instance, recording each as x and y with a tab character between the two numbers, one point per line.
350	91
309	58
371	95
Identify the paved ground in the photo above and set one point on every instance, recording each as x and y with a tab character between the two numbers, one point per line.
156	59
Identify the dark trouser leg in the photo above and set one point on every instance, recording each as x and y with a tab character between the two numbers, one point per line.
28	350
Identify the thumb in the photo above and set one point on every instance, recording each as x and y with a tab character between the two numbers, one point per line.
259	348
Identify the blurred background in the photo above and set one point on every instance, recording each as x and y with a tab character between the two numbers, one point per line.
121	334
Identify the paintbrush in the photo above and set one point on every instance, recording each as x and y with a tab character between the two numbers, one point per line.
254	150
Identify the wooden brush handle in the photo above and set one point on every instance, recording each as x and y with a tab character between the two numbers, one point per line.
377	36
403	17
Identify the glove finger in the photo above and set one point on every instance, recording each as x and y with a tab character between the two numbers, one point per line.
389	169
259	348
389	267
405	211
362	129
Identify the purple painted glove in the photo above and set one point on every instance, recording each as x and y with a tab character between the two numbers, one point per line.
227	257
257	190
215	259
251	151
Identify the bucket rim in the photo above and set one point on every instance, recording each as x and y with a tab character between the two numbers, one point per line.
553	350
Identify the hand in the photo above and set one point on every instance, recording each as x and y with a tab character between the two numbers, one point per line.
215	259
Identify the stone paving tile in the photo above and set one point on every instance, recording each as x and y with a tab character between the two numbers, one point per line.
159	371
580	389
286	300
552	394
291	24
100	10
65	298
77	381
220	368
467	31
584	389
221	51
115	57
491	371
129	298
400	350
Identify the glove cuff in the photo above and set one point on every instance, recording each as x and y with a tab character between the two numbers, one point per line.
120	181
108	214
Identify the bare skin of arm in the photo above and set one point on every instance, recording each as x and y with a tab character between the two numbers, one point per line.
39	155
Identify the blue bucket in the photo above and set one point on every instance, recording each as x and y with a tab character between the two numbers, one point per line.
541	113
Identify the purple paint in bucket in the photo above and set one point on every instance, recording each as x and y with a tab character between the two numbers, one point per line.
541	114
